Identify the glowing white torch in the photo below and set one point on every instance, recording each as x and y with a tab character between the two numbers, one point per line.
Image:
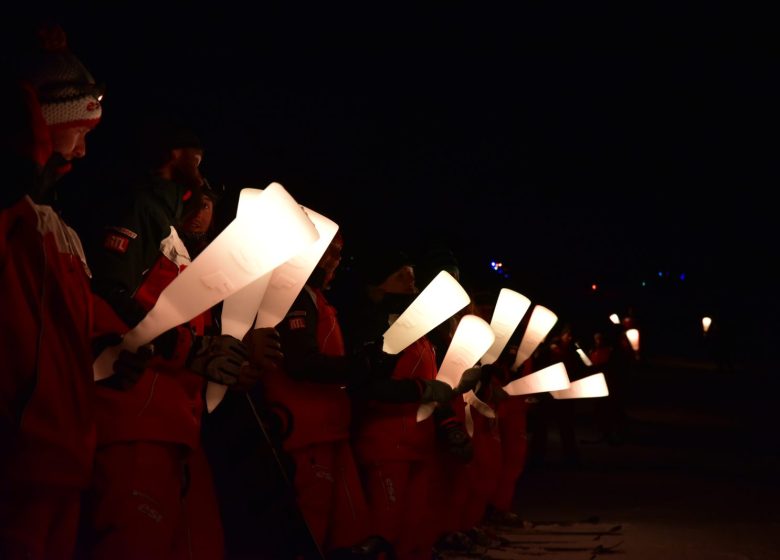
551	378
539	325
510	308
471	340
440	300
588	387
249	247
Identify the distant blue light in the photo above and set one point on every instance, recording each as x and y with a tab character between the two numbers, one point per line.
506	275
493	264
660	274
682	277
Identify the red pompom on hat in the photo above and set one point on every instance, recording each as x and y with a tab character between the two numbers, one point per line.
67	92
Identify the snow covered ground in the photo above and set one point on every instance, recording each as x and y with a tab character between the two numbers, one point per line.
697	478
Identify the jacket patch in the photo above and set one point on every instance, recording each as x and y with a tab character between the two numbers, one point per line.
296	323
124	231
116	243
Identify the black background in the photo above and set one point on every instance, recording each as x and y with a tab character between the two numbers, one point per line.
627	147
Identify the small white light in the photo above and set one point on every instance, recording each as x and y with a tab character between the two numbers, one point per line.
584	357
633	338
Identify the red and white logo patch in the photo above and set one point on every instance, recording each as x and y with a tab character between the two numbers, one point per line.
296	323
116	243
124	231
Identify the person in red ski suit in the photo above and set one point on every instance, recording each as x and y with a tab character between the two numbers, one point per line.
48	326
395	452
147	433
312	385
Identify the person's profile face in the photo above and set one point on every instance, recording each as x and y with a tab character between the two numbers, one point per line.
201	220
70	142
400	282
332	257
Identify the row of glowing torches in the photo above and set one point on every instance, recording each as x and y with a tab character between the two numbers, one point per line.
259	264
633	334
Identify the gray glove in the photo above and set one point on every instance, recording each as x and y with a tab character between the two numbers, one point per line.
437	391
469	380
218	358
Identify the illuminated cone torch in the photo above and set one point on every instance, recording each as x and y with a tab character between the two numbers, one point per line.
588	387
267	300
271	230
633	337
539	325
471	340
551	378
440	300
510	309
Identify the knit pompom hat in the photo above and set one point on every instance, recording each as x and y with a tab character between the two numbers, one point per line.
380	262
67	92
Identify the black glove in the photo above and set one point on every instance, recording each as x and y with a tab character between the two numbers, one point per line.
104	341
456	441
265	348
128	368
436	391
379	363
491	371
469	380
218	358
499	394
165	344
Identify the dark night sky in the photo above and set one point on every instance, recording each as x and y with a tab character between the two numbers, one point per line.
575	144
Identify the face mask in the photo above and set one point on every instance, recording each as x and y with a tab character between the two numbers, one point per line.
317	278
396	303
43	191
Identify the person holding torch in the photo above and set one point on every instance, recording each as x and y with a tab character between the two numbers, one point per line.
149	426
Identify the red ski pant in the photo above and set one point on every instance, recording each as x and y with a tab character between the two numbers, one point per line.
452	490
400	498
38	523
330	494
514	450
138	503
205	527
483	474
